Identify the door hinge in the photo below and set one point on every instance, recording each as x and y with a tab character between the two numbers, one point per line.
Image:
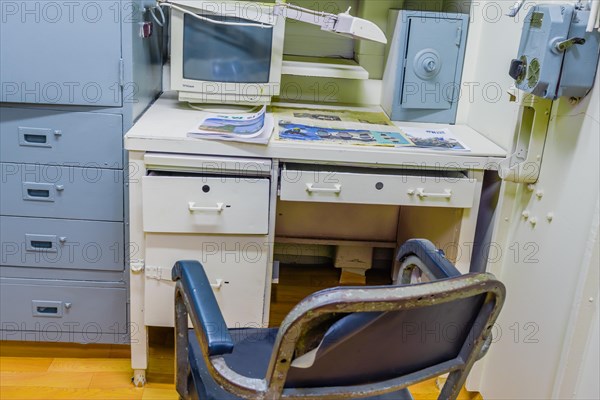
121	72
136	266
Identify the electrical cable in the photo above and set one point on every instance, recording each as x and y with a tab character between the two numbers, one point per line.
213	21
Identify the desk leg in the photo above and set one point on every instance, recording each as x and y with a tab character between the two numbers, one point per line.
139	333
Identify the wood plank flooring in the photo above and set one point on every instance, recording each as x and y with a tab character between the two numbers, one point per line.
31	371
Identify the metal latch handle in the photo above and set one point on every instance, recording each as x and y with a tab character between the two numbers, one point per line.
192	207
564	45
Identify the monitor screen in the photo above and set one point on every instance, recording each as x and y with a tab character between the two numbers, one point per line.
226	53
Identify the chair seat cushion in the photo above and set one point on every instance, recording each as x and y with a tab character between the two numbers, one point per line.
251	355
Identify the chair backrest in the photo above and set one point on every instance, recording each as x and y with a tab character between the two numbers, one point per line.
385	336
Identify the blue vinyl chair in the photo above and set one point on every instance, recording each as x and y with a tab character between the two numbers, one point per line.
346	342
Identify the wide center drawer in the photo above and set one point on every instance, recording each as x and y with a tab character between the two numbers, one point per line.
175	203
410	188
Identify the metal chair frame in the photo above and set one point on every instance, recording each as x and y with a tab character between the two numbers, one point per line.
349	300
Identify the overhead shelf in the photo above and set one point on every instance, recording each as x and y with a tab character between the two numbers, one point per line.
323	67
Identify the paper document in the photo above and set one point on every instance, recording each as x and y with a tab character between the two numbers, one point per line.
438	139
246	127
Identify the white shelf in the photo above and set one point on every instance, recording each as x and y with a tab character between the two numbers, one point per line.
323	68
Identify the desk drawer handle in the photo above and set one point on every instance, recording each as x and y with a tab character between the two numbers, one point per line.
192	207
310	188
447	194
218	285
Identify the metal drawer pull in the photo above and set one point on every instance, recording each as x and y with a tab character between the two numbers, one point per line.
39	244
217	285
310	188
47	310
447	194
192	207
38	139
38	193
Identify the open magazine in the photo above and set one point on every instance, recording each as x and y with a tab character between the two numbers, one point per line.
338	127
438	139
247	127
364	128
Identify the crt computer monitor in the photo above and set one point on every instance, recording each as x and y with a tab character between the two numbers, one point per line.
226	64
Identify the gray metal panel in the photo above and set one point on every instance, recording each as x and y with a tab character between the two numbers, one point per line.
54	307
61	52
7	271
61	137
432	48
61	192
57	243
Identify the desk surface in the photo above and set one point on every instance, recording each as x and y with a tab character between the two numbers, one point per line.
164	128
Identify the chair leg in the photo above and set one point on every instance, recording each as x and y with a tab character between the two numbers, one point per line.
453	386
182	364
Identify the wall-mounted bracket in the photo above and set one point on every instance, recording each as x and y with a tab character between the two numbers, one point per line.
525	161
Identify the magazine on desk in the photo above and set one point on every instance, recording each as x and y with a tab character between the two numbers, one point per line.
254	127
338	127
358	128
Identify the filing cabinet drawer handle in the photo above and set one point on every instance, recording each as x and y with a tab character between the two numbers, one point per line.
447	194
310	188
35	137
218	285
38	193
53	309
193	208
41	244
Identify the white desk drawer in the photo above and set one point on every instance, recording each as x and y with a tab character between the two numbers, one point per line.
424	189
235	266
197	204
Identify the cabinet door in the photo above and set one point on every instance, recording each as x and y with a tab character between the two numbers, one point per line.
431	62
61	52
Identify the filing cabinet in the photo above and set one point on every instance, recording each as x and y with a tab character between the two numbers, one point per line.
74	77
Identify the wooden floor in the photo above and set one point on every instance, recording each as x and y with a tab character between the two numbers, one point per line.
71	371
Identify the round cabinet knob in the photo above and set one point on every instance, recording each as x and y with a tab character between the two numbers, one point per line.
60	188
67	305
427	64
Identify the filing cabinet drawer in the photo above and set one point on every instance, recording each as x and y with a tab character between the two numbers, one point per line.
61	192
196	204
61	138
62	306
60	243
236	267
422	188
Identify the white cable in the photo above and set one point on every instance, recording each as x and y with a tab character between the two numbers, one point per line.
594	13
213	21
162	15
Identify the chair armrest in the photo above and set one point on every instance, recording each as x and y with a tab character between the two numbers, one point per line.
435	264
203	306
